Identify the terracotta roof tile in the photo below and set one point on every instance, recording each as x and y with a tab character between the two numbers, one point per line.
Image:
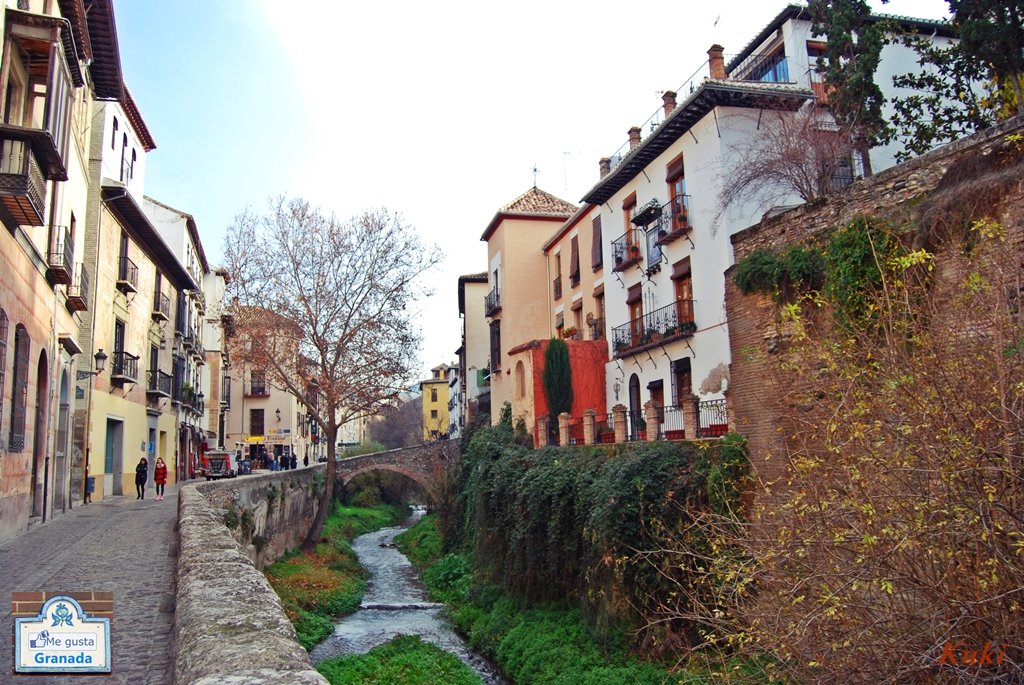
536	201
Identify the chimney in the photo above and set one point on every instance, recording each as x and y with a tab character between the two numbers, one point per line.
669	98
605	166
716	62
634	138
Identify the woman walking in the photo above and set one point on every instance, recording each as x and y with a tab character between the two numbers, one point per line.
160	477
141	473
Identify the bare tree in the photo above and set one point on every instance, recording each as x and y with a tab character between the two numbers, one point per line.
323	307
803	154
400	426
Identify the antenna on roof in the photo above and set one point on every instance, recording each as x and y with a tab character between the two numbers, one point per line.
535	170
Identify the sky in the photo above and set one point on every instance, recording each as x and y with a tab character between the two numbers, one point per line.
440	111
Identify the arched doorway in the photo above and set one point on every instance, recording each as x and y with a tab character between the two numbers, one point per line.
61	474
39	437
634	407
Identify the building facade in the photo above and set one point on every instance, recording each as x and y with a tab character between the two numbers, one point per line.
475	375
436	417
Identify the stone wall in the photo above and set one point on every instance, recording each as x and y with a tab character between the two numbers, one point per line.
230	627
892	194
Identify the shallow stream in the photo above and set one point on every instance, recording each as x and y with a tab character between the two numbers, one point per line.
395	604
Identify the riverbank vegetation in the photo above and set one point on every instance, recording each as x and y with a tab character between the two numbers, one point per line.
543	556
406	660
317	585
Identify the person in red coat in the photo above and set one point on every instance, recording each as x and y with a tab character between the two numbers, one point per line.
160	477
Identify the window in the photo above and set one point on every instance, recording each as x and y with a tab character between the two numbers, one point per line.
574	261
520	389
256	426
628	212
122	257
113	136
257	383
771	69
157	291
682	381
433	394
556	285
3	362
596	252
634	300
495	346
676	179
433	413
683	285
19	390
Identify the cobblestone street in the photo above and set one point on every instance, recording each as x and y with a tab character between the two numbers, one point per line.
120	545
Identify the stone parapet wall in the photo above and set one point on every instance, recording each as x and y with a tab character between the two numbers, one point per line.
230	626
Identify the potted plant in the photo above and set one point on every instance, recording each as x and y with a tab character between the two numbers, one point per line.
634	251
570	332
641	429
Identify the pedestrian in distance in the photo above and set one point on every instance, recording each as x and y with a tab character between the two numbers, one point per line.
141	473
295	461
160	477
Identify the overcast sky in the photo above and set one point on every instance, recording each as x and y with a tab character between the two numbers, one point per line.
437	110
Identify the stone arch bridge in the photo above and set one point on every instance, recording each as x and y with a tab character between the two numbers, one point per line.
425	464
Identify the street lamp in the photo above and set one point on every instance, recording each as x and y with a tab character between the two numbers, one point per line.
101	363
278	412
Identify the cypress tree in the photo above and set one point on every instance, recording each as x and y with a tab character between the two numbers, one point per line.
557	378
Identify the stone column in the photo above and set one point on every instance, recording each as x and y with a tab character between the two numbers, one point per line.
651	416
563	429
589	427
691	418
619	422
542	431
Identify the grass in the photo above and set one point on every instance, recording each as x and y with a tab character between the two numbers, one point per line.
317	586
403	661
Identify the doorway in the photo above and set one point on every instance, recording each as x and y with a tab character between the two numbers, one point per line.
39	438
61	474
113	464
634	407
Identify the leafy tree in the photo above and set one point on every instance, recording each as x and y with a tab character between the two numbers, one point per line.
557	378
322	306
852	53
992	33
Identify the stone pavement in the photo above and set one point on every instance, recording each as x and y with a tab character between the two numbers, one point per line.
120	545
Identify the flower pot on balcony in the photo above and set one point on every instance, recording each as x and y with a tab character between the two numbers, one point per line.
634	251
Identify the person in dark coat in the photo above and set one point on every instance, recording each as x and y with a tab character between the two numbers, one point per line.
141	474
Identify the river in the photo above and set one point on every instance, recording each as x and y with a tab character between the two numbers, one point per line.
395	604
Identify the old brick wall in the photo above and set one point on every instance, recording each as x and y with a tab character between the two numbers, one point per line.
752	319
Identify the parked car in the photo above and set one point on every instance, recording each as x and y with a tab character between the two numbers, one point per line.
217	464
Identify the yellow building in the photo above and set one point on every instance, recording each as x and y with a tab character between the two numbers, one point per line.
436	418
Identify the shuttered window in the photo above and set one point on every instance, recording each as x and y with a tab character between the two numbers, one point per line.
19	392
596	253
574	261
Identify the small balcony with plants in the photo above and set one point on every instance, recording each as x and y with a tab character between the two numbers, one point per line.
60	261
665	324
626	250
673	221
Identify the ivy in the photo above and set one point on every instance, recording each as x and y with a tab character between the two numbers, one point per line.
777	274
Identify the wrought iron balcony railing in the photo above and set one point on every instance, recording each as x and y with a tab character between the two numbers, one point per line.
60	261
673	221
713	419
665	324
78	291
127	275
22	187
159	384
627	250
161	307
492	302
124	367
596	328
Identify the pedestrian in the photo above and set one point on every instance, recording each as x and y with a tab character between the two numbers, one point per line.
295	461
160	477
305	460
141	473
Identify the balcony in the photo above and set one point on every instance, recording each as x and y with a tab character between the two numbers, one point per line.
674	221
646	214
663	325
78	291
124	368
60	262
626	250
22	187
556	287
492	302
596	327
161	307
127	275
159	384
188	339
225	392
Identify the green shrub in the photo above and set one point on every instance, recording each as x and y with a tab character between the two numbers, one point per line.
231	517
422	543
406	660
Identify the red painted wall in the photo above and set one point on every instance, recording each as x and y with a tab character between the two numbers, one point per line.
587	359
